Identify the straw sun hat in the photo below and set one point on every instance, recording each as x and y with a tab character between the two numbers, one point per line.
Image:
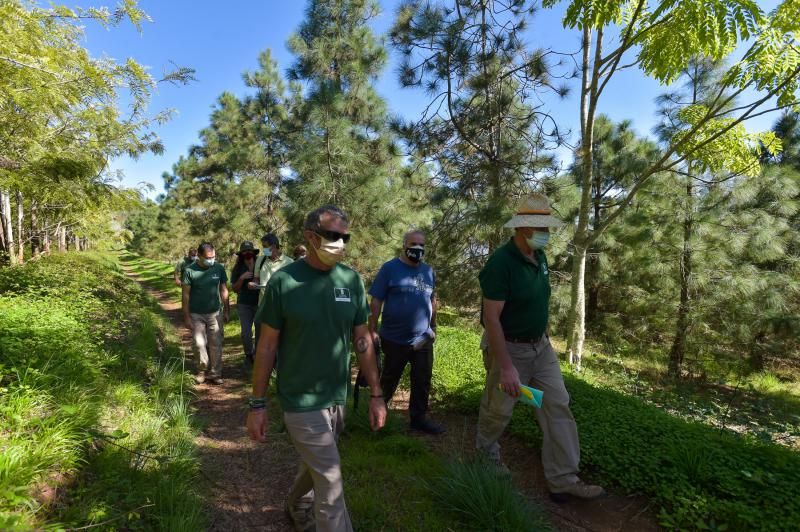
534	211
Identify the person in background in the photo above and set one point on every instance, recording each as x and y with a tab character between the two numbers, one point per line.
314	308
242	275
180	266
270	261
403	291
515	283
205	293
299	252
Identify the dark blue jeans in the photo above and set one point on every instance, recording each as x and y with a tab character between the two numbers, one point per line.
247	314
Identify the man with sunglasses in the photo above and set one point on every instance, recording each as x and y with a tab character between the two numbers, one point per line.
312	310
403	291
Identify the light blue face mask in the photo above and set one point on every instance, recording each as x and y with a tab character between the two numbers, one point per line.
209	262
538	240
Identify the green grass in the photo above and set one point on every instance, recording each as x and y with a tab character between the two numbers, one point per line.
484	499
701	476
93	401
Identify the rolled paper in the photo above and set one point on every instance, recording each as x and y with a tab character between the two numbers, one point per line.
528	395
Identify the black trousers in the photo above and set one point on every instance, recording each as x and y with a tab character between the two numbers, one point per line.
395	358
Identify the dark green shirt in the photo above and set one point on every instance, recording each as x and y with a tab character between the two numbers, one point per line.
524	286
315	312
204	287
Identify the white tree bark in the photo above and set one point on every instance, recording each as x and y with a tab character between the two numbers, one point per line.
8	225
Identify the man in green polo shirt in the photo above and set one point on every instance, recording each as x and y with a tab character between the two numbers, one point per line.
312	311
205	293
515	284
180	266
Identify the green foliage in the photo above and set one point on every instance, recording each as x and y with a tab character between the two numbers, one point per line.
484	499
61	118
701	477
94	402
483	138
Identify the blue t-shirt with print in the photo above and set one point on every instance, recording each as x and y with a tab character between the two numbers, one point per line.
406	293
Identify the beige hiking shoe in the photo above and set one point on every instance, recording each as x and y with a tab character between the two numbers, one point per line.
200	378
301	515
580	490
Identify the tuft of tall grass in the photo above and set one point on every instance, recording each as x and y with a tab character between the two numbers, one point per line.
483	499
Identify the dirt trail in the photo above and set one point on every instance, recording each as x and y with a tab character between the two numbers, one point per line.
248	481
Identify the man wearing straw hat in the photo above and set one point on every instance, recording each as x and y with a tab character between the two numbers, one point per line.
515	285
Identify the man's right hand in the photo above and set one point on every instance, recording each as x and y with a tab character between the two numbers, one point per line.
257	425
178	282
509	380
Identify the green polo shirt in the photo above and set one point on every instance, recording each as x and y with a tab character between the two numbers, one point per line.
204	287
524	286
315	312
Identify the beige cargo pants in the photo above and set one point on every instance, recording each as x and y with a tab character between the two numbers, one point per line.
537	365
319	475
207	335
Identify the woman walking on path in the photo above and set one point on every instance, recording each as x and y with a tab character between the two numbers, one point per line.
247	298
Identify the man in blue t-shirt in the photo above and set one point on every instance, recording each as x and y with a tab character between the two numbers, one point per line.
404	291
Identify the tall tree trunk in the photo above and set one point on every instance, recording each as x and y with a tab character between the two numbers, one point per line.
8	225
678	350
582	239
62	239
76	242
46	241
593	258
3	246
36	233
20	222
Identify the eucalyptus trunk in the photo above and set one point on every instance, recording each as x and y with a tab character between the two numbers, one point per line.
20	221
8	225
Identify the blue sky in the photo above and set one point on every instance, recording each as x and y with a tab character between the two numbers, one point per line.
220	40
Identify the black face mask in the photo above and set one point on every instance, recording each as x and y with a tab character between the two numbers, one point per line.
415	254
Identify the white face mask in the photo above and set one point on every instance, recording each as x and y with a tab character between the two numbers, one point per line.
330	252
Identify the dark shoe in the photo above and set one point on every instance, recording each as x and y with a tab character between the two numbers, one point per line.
199	378
427	426
579	490
216	380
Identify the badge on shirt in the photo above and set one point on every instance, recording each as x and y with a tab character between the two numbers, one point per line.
341	294
544	269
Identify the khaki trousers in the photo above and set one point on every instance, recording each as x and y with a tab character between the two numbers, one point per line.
207	336
537	365
319	475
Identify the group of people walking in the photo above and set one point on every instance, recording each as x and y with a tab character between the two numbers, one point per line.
311	312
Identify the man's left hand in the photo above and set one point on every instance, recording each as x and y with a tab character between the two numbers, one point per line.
377	413
226	316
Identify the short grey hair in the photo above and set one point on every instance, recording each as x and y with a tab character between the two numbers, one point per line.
313	218
412	232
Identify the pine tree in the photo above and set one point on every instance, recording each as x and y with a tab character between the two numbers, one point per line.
341	150
483	143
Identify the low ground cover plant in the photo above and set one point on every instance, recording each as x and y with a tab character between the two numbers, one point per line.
93	403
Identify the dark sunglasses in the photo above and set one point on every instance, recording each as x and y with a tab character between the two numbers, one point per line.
333	236
248	256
